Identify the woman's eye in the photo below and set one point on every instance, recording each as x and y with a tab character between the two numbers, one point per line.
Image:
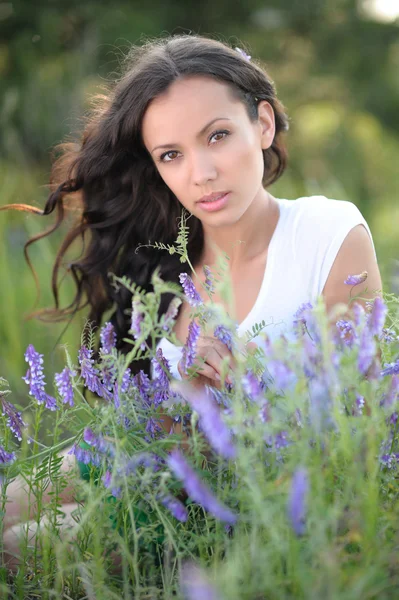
222	132
166	155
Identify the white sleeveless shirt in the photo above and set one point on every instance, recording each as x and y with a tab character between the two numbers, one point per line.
302	250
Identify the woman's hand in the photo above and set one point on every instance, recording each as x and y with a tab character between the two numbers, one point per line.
211	353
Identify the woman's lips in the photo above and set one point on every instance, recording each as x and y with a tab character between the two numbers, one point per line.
213	205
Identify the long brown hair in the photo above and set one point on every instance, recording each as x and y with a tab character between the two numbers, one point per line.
111	181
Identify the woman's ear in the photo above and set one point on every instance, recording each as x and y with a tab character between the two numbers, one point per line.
267	124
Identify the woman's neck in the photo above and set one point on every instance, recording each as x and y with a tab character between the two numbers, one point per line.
245	240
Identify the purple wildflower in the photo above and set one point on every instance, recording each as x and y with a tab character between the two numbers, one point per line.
347	332
243	54
108	375
251	385
367	349
195	586
208	278
210	419
6	458
281	440
153	427
311	356
300	318
89	373
377	316
85	456
98	442
161	368
108	481
190	347
171	313
224	335
391	396
282	375
14	418
297	500
193	297
63	382
142	383
358	313
196	489
220	396
356	279
126	381
387	336
177	508
142	459
162	377
391	368
390	460
320	404
358	406
35	378
108	338
264	412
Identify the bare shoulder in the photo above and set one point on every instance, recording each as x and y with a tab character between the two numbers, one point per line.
355	255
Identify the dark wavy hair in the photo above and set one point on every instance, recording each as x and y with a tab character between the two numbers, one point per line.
111	182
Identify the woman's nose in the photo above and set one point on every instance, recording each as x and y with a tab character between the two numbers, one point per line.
203	169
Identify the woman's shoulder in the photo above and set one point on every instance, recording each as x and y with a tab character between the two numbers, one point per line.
316	215
315	223
309	205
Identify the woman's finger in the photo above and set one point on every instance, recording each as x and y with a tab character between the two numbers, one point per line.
219	347
202	368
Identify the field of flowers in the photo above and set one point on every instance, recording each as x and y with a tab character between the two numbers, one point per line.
282	483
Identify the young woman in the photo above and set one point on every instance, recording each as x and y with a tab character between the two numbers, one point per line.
194	123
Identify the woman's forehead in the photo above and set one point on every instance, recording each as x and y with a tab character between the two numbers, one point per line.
188	104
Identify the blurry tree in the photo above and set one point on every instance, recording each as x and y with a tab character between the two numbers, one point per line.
336	70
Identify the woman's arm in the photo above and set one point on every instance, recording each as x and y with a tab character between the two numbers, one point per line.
355	256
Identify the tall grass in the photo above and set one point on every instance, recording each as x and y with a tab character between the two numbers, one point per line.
291	484
18	291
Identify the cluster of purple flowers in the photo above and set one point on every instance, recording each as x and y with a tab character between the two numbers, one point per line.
194	584
101	450
210	419
6	458
14	418
89	373
162	378
359	334
63	382
108	338
190	347
196	489
224	335
35	379
169	317
297	500
193	297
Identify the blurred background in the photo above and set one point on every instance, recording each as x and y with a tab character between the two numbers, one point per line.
335	64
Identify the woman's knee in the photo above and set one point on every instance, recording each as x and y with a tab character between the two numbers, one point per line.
20	537
21	503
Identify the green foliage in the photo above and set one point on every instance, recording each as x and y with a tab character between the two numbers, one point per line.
348	546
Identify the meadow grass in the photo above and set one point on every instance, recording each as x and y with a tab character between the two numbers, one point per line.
292	489
291	483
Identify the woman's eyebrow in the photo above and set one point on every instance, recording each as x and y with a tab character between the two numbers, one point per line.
198	134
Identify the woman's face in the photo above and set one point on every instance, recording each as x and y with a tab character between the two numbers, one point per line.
202	142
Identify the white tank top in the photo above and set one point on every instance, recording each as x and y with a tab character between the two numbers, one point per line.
302	250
